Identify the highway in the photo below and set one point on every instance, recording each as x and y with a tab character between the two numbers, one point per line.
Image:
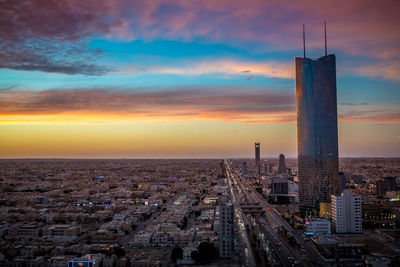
265	227
241	221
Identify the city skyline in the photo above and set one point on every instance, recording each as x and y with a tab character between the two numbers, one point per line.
178	79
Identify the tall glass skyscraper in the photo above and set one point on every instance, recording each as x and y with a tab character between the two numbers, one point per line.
317	131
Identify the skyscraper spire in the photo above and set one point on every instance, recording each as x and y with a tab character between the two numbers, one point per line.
304	43
326	46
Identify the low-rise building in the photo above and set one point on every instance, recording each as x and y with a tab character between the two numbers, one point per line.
316	226
70	230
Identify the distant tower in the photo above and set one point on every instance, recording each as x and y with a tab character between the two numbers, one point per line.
317	131
244	169
223	169
258	159
270	170
282	164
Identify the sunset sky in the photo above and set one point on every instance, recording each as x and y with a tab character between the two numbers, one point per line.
149	79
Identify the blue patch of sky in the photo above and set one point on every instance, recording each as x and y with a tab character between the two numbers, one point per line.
38	81
175	49
368	90
142	54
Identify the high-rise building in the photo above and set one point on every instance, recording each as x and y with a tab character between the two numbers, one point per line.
270	168
226	223
387	184
258	158
317	132
223	169
279	185
282	164
346	213
244	169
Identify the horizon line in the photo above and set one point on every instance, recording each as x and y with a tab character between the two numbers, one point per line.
181	158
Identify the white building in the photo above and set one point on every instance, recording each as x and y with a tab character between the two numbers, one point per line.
317	226
346	213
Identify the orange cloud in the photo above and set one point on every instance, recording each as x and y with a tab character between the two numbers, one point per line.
169	107
173	106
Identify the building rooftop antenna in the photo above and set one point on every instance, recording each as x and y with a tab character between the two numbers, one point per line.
304	43
326	46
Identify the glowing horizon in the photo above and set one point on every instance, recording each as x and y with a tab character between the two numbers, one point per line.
180	79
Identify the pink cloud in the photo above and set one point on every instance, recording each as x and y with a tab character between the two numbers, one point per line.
357	27
271	69
236	105
241	105
365	28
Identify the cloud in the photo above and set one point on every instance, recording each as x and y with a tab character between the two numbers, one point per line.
261	106
35	33
353	104
50	35
237	105
357	27
380	115
270	69
388	69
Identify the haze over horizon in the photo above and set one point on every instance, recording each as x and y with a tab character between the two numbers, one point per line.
190	79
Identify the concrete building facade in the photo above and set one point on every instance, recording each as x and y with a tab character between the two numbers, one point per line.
346	213
226	240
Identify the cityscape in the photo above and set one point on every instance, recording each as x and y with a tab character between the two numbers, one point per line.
199	133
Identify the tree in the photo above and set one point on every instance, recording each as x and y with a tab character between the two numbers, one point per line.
184	223
119	252
195	255
177	253
207	251
197	213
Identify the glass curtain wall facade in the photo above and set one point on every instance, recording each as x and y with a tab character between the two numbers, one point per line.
317	131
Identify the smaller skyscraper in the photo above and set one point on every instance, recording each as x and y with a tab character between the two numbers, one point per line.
270	168
258	158
223	169
244	169
282	164
226	233
346	213
266	168
385	185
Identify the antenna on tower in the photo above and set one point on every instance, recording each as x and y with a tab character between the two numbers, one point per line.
326	46
304	43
